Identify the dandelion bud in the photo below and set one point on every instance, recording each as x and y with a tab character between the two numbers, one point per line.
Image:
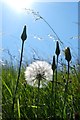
67	54
53	64
24	35
57	49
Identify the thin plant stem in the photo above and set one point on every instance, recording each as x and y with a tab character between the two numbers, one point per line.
66	91
68	70
52	93
56	70
51	29
38	99
40	17
17	78
55	89
53	84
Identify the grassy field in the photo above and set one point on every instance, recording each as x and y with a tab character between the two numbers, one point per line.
25	106
58	99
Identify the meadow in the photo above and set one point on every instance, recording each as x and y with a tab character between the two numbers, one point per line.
58	100
46	91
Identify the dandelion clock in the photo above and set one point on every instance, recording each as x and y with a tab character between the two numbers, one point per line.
38	74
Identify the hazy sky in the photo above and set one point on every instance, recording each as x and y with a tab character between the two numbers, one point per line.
63	18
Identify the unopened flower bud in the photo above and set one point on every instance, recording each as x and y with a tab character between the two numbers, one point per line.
67	54
57	49
24	35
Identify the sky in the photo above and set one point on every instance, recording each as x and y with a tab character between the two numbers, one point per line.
41	41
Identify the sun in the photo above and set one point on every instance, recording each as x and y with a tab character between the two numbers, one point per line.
19	5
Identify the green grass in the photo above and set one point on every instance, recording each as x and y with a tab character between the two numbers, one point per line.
25	106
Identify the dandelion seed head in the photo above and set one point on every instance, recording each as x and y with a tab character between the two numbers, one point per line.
39	70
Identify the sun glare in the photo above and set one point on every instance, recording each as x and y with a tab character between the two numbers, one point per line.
19	5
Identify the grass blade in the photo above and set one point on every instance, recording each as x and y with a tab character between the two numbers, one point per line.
18	105
7	87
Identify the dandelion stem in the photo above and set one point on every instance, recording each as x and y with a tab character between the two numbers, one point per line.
68	70
17	79
53	84
55	88
66	92
52	90
38	99
56	70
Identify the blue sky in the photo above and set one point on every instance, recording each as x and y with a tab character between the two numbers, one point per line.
62	16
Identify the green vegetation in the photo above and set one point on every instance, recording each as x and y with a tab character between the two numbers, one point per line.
58	100
25	106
